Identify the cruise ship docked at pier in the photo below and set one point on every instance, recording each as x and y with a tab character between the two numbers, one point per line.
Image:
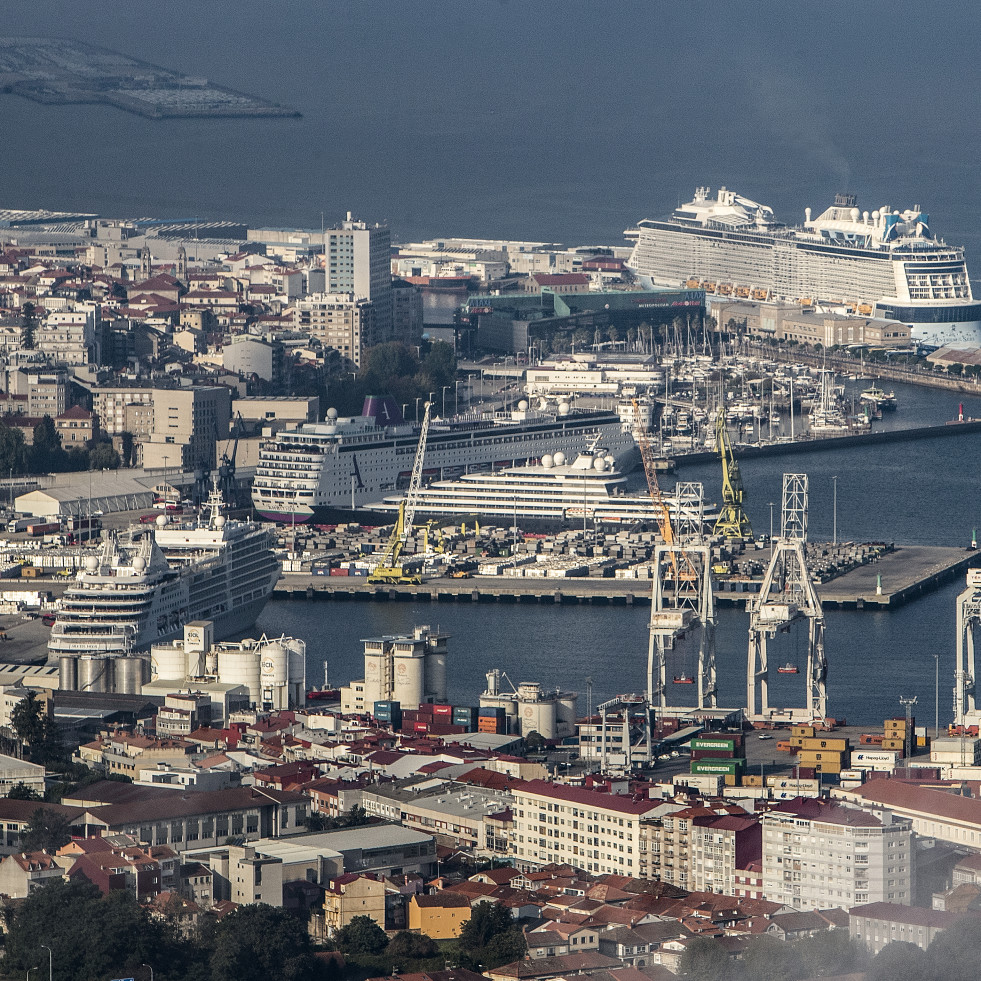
886	263
144	586
549	494
327	472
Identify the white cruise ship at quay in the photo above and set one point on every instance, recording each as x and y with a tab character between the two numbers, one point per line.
144	586
887	263
552	493
327	472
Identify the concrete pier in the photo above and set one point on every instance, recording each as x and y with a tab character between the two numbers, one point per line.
906	573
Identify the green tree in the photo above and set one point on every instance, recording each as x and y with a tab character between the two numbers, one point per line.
410	946
259	942
831	952
769	959
956	953
705	960
13	452
505	948
361	936
46	831
103	457
899	961
28	326
486	921
29	720
356	817
20	791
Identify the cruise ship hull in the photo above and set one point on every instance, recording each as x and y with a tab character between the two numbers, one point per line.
328	473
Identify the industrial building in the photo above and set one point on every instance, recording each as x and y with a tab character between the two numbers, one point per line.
271	670
530	708
409	669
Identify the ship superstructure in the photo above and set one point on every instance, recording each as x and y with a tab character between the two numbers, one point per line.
552	493
885	262
328	471
146	584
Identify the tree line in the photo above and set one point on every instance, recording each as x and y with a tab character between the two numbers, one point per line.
47	455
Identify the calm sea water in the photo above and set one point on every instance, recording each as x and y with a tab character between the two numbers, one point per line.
915	493
450	119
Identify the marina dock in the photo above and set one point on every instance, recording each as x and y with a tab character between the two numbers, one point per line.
908	572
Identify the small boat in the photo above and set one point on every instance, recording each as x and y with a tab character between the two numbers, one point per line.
683	679
788	668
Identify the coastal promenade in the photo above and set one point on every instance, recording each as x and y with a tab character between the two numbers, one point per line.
906	573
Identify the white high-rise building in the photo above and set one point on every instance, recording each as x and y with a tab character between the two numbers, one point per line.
819	853
358	260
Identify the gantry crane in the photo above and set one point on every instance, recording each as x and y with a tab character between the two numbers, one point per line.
661	513
968	621
389	568
733	522
786	597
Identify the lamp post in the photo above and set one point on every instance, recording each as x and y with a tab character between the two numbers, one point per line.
150	969
418	400
456	397
936	694
771	505
29	972
405	409
834	532
445	388
432	395
50	961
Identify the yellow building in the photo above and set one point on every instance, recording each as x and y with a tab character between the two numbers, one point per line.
352	895
441	916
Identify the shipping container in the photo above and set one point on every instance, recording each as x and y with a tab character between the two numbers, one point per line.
752	780
871	739
443	729
443	710
717	766
784	746
713	742
486	724
340	572
806	731
420	726
841	745
39	528
713	754
494	712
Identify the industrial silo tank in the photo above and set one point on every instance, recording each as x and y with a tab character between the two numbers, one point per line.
273	665
409	672
436	675
297	650
68	672
241	667
94	673
128	675
567	713
167	662
538	717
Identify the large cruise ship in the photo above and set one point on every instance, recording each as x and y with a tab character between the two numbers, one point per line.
887	263
328	472
145	585
552	493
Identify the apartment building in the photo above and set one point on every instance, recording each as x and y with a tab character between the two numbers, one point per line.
878	924
189	426
45	390
358	261
341	321
351	895
818	853
587	829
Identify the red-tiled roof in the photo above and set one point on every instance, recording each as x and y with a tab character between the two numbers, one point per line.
591	798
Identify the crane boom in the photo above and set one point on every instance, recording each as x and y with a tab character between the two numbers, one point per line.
661	512
389	568
733	522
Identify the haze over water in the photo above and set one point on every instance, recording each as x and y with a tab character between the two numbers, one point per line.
544	121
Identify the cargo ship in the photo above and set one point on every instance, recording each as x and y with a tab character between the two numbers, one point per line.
329	472
885	263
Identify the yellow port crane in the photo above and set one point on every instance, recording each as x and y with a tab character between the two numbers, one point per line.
733	522
389	568
647	456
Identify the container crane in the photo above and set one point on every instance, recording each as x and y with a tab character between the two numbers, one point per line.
733	522
389	568
648	457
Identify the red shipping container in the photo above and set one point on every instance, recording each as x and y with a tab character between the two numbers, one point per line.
443	710
805	772
425	709
339	572
409	715
438	729
420	726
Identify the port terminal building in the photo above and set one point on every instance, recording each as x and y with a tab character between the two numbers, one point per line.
515	322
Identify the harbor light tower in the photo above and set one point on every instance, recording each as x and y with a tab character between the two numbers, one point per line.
787	597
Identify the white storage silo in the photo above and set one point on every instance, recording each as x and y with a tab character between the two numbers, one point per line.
377	677
567	712
409	670
538	716
436	674
297	650
273	665
241	667
167	662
